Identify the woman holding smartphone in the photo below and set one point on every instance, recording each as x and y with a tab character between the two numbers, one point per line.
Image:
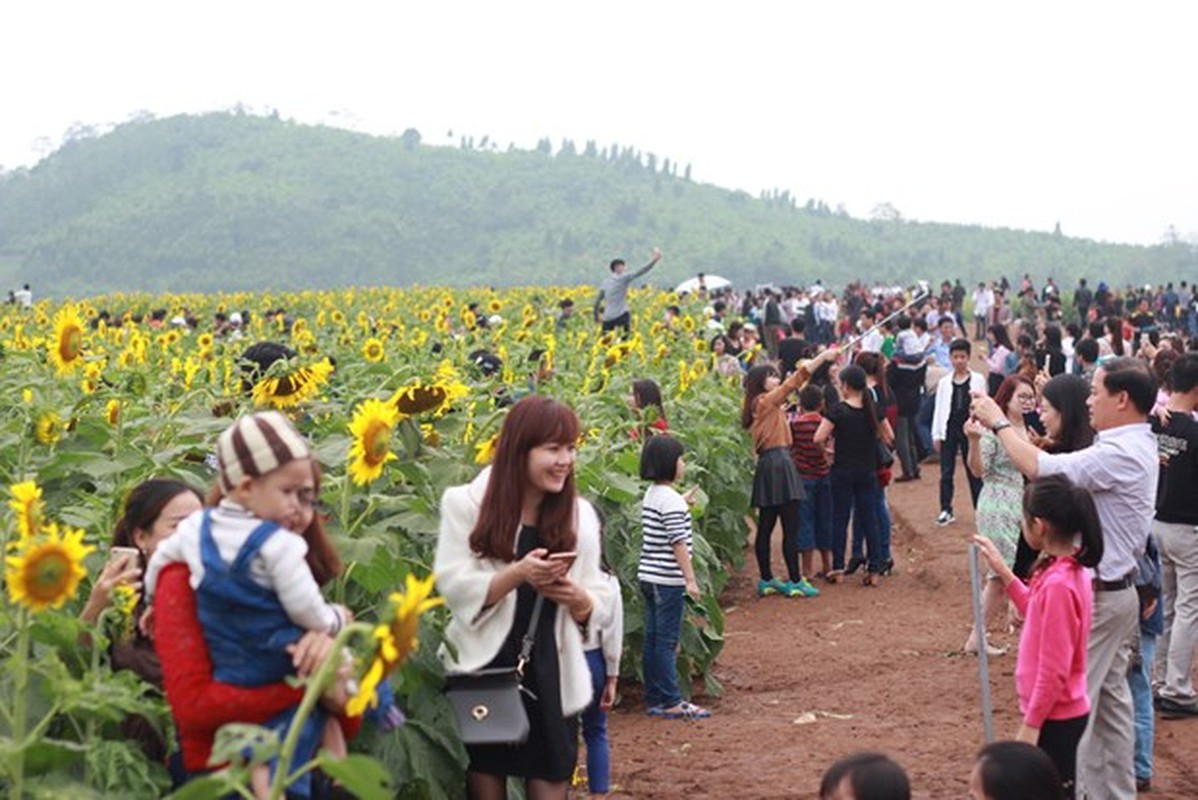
516	532
150	514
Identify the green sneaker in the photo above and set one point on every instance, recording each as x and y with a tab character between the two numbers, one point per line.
800	588
772	586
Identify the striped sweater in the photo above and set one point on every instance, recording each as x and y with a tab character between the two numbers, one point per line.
665	520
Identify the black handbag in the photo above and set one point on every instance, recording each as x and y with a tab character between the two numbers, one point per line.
885	455
489	704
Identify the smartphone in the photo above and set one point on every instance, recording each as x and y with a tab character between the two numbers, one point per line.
129	554
566	557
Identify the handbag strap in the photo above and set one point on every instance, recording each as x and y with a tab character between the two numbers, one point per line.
530	636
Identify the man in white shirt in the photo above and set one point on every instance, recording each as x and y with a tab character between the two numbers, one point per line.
983	301
1120	471
23	297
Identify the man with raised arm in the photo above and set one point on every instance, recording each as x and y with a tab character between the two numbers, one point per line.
1120	471
611	306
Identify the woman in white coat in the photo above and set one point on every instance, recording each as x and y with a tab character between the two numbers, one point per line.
516	531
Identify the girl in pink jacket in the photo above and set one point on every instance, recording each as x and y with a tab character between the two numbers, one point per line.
1060	520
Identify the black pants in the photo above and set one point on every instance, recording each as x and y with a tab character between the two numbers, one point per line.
790	539
1059	738
623	321
956	440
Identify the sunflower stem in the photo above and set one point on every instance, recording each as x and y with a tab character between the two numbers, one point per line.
346	487
20	688
316	687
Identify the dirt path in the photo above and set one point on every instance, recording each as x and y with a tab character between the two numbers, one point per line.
878	669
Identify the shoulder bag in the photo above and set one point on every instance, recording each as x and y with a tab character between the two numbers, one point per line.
488	704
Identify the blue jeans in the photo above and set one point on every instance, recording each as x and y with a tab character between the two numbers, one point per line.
855	492
1139	680
882	516
594	727
815	515
663	628
923	427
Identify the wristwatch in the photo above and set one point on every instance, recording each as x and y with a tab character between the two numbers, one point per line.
1002	423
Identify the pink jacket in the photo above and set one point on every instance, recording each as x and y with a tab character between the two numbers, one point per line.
1050	674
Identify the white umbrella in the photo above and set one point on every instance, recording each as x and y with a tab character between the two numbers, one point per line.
712	282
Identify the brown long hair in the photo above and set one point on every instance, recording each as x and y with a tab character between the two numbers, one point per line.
322	556
534	421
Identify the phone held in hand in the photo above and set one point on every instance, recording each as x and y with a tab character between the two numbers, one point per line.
128	554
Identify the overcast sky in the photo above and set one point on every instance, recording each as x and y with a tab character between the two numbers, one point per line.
1016	114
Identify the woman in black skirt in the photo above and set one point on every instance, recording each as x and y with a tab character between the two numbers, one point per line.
518	531
777	488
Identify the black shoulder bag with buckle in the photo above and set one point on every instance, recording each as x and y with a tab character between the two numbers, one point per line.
488	703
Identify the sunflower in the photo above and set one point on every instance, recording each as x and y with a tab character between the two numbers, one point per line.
418	398
373	351
484	452
46	570
124	603
66	346
204	340
396	640
49	428
371	428
291	389
26	502
494	306
112	411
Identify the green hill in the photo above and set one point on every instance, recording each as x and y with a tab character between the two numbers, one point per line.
232	201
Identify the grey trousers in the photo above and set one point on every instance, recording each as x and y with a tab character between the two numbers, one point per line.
1178	544
1107	749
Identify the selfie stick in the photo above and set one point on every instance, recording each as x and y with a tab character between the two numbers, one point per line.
979	623
919	298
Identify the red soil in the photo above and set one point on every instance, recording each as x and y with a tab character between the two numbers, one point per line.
808	681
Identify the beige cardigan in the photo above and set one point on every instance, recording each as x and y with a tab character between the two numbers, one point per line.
475	633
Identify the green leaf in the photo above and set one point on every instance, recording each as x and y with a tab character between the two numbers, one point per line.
361	775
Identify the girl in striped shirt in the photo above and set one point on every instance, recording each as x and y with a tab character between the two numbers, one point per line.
665	574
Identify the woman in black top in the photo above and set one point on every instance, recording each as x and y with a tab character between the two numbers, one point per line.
857	430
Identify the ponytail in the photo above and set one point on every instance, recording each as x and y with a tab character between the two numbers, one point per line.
1069	511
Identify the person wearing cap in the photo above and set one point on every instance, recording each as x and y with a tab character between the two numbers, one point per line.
255	593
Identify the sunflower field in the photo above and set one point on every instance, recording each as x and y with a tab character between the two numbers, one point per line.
399	402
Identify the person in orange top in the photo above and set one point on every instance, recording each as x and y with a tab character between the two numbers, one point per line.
777	488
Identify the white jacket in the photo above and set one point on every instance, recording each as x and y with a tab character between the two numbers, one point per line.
944	398
610	637
463	579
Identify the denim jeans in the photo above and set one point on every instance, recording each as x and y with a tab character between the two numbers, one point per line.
882	518
1140	681
923	427
855	492
594	727
815	515
663	628
948	455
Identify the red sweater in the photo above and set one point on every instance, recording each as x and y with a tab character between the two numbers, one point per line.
199	704
1050	673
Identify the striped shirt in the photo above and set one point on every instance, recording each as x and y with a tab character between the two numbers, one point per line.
665	521
811	460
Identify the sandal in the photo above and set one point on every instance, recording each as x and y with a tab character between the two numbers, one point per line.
685	711
835	576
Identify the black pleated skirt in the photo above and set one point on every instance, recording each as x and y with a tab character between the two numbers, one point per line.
776	481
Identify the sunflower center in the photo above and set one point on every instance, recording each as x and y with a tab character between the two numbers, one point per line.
376	442
70	343
421	398
47	574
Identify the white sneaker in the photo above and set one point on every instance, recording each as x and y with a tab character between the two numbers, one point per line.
945	518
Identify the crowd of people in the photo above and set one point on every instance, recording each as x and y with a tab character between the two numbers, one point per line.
1081	452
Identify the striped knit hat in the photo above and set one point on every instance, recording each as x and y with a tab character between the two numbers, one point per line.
255	445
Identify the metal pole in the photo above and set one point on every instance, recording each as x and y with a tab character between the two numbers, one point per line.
979	623
919	298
